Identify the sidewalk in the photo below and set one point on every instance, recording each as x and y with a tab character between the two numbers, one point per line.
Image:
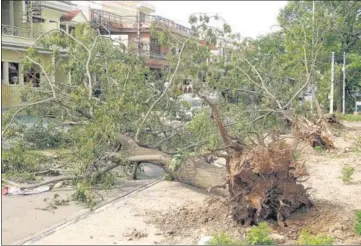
123	221
23	216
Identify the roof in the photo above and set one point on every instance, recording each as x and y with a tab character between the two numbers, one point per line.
70	15
211	46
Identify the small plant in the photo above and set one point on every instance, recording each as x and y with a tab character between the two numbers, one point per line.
168	177
347	173
307	239
223	239
319	148
259	235
358	222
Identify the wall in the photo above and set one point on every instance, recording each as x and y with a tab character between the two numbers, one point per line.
80	18
11	93
4	12
126	8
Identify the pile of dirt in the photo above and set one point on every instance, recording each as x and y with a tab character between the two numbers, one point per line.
187	223
326	219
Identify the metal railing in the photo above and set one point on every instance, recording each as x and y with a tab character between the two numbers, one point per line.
22	32
169	23
106	18
152	55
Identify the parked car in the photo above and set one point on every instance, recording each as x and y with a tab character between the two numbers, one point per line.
190	104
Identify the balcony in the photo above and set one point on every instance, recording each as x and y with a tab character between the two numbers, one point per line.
118	24
20	32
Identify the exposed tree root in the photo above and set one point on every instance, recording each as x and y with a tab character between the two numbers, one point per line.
316	133
263	185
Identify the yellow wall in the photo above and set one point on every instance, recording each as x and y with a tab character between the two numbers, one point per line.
47	14
10	95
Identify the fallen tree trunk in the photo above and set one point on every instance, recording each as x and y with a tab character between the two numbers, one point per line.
194	171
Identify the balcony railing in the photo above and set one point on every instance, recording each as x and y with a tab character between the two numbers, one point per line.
19	32
106	18
153	55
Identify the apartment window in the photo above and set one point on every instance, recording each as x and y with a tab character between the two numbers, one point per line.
63	27
154	46
141	17
71	29
38	20
14	73
33	77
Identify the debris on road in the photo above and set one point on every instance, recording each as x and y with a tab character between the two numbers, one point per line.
17	191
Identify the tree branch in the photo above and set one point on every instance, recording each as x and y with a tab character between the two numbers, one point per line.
164	92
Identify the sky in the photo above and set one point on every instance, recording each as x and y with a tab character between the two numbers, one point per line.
249	18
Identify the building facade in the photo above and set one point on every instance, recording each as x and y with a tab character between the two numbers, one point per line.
22	23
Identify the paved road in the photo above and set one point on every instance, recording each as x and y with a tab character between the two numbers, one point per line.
115	222
22	215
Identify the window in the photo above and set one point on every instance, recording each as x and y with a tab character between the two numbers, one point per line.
38	20
71	29
141	17
13	73
63	27
33	77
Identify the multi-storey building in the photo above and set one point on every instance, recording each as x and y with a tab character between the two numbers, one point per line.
22	23
121	18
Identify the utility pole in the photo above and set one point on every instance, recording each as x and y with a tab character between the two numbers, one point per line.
138	32
344	83
332	81
312	48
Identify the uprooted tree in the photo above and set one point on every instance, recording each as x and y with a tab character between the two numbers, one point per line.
132	121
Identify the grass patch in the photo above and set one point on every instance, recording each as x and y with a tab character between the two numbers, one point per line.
258	235
319	149
307	239
358	222
223	239
347	173
350	117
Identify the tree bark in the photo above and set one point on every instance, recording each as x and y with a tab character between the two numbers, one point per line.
194	171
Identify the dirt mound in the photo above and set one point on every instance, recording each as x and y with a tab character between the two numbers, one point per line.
187	223
323	219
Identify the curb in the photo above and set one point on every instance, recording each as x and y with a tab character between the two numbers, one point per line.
78	216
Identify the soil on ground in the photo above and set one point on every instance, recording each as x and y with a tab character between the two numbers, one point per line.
333	213
174	213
